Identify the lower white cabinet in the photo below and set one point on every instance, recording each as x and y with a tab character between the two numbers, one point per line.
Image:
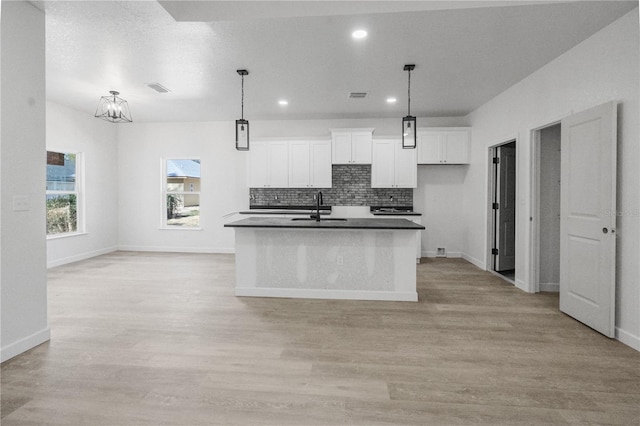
269	164
310	164
443	145
392	166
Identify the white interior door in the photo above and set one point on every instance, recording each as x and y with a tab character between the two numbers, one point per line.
587	217
506	215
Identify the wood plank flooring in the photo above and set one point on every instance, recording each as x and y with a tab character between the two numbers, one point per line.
160	339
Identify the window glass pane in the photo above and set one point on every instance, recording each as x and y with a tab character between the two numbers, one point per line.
183	210
62	214
61	171
183	175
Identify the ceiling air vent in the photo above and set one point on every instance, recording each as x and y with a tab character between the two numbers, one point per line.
358	95
158	87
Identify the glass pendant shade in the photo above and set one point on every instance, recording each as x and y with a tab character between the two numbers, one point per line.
242	135
409	128
242	125
409	132
114	109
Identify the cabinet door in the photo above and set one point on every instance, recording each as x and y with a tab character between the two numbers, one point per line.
406	166
429	148
258	165
278	153
383	164
320	164
361	147
299	153
341	148
456	147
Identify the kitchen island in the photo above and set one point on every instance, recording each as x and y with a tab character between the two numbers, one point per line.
364	259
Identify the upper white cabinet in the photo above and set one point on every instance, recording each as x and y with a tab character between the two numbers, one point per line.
351	146
310	164
393	166
443	145
269	164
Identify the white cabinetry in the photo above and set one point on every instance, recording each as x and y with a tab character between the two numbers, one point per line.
443	145
310	164
393	166
269	164
351	146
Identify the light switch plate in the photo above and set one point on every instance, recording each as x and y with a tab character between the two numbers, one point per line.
20	203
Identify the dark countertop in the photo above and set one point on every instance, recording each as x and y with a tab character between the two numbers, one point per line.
324	210
283	222
396	213
285	211
393	211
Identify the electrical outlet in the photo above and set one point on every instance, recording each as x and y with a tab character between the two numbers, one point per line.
340	260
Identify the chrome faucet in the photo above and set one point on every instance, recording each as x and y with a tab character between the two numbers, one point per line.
318	203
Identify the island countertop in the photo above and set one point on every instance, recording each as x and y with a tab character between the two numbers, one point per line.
277	222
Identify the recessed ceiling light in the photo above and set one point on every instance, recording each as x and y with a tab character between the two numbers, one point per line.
283	102
359	34
391	100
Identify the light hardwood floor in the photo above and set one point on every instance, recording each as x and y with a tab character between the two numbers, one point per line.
159	338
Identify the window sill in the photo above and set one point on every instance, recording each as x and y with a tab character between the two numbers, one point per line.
65	235
179	228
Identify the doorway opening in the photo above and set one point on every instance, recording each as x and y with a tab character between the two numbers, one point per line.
503	208
546	168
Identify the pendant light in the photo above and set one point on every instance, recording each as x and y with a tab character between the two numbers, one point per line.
113	108
409	132
242	125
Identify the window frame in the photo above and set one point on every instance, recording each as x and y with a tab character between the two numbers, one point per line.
78	192
164	192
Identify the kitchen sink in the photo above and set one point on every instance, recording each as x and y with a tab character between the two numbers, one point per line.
314	220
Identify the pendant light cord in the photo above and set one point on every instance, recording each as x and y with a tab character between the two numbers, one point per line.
409	95
242	101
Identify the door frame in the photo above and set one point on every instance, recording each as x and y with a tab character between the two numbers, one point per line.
534	218
491	186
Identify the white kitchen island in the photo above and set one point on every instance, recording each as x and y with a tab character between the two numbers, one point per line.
364	259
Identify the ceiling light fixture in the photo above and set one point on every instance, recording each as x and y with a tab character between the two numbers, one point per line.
113	108
409	133
242	125
283	102
391	100
358	34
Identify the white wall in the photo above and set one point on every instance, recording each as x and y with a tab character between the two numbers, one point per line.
22	143
602	68
439	197
69	130
142	145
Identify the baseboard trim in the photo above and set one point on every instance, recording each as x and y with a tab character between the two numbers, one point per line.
474	261
551	287
24	344
521	285
165	249
327	294
79	257
434	254
628	339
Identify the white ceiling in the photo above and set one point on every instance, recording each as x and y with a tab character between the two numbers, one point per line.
465	54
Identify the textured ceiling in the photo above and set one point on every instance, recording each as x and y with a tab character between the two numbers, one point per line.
463	56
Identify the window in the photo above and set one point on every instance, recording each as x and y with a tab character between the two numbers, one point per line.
181	193
63	193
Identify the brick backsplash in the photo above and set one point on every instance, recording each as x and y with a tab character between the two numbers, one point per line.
351	187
